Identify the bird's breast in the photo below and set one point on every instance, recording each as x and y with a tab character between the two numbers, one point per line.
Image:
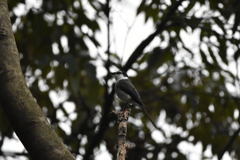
122	95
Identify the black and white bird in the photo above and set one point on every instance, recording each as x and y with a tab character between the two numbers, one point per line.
128	93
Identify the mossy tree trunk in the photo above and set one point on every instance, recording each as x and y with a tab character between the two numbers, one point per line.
24	114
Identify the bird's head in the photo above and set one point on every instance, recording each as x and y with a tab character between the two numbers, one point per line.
120	75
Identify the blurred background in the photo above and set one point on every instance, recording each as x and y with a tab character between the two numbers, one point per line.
182	56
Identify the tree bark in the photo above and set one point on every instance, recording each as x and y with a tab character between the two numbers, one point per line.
123	145
24	114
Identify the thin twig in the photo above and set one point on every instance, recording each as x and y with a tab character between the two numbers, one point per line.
235	135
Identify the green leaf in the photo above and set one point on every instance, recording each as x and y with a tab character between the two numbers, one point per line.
236	55
204	59
141	7
72	63
91	71
213	56
220	24
236	23
60	75
223	51
75	83
159	56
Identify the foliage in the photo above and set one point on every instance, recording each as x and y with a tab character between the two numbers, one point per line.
193	85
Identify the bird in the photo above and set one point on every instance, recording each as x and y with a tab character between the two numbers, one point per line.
126	92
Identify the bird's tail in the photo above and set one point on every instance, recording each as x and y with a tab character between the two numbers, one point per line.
149	117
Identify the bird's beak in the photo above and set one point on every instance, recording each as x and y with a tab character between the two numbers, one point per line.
112	73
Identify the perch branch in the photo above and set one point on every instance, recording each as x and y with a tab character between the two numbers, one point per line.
123	145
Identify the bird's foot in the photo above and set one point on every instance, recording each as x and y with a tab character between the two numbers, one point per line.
126	105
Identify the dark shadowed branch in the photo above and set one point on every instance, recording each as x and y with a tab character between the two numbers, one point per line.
235	135
139	50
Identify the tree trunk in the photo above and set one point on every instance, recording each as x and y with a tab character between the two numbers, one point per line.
26	117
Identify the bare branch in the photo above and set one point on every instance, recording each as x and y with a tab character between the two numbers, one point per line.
123	145
139	50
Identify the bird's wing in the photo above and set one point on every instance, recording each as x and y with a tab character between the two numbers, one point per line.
127	87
